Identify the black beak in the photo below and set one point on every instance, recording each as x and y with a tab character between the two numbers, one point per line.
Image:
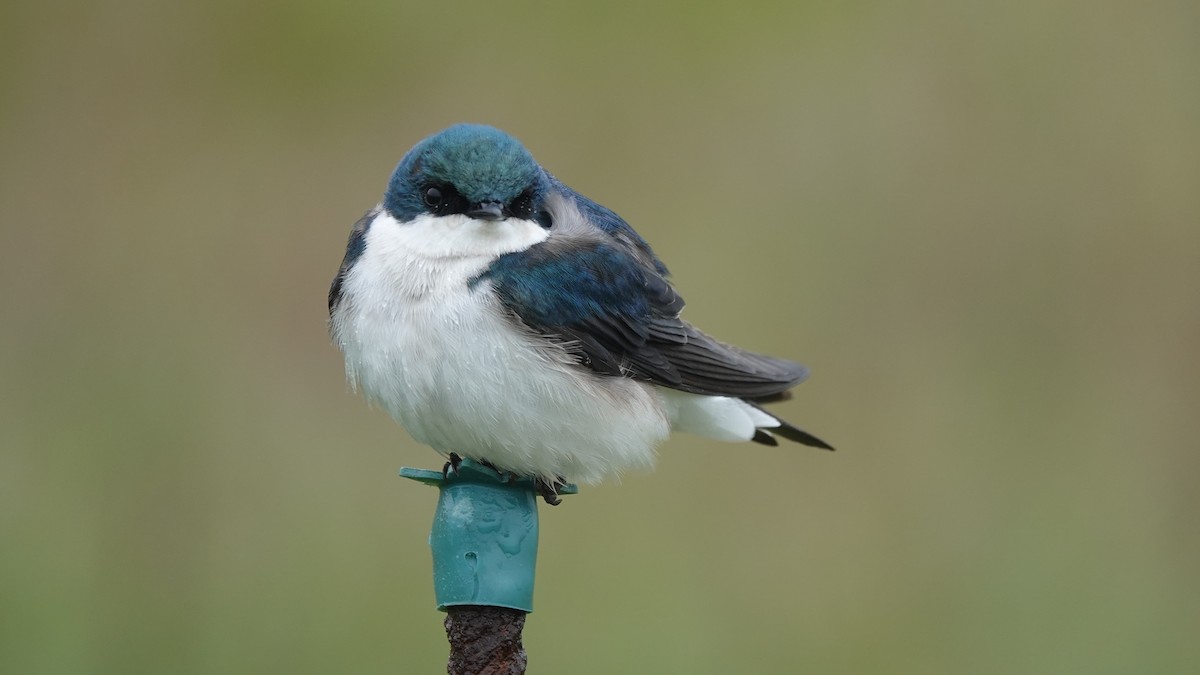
487	211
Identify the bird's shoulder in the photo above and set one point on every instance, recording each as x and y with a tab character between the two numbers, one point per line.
355	245
594	281
575	214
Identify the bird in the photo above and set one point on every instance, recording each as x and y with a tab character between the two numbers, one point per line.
499	315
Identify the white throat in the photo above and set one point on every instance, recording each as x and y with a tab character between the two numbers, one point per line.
454	236
432	254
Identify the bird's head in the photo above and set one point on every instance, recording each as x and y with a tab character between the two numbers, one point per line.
469	169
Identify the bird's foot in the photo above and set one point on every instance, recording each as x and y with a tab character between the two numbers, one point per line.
549	489
505	476
546	489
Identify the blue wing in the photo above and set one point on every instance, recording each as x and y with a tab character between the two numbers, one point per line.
596	288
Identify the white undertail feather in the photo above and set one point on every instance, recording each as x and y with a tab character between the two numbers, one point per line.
717	417
446	362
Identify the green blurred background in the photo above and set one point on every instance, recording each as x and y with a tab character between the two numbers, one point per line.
978	222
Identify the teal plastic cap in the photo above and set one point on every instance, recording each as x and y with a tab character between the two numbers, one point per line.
484	537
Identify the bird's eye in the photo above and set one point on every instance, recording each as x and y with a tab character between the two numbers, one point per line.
522	206
433	196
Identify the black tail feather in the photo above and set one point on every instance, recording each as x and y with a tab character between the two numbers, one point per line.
764	437
788	431
798	435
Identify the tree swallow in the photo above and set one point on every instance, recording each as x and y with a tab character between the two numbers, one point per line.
499	315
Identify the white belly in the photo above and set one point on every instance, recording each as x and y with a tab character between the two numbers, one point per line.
446	363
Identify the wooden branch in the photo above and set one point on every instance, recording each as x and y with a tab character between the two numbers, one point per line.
485	640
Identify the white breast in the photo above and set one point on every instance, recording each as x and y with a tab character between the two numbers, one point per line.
445	362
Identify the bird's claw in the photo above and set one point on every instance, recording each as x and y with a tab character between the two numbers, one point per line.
451	466
549	489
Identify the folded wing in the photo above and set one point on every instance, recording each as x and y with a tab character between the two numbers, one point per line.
598	290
